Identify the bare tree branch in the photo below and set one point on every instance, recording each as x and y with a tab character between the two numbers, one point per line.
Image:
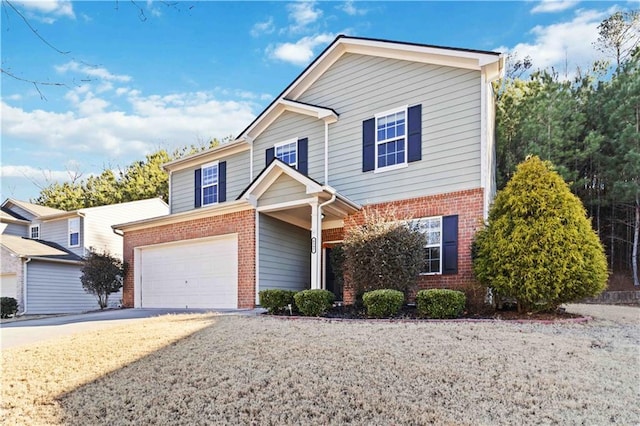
33	30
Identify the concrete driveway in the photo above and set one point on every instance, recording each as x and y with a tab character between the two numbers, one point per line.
28	331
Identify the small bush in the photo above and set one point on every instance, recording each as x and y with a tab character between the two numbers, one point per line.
313	303
383	303
440	303
275	301
8	306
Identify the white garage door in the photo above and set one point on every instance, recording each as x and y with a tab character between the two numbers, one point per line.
8	283
195	274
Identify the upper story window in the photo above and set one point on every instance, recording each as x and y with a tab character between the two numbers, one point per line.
287	152
210	184
74	232
431	227
34	232
391	138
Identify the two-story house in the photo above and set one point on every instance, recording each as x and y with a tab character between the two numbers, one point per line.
370	125
42	250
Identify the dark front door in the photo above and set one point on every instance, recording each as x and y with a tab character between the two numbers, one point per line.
332	284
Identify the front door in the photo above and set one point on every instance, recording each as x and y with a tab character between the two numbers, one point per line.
332	284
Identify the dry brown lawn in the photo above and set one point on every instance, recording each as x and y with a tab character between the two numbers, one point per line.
197	369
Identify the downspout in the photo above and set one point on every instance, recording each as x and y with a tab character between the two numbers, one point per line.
24	285
319	237
326	155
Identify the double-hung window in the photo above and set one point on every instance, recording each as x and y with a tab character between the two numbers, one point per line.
431	228
210	184
34	232
391	138
287	152
74	232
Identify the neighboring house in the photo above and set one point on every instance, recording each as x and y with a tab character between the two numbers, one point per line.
370	125
42	251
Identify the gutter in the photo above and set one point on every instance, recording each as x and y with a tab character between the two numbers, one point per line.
24	285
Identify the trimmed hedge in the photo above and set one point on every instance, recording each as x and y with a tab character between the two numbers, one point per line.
383	303
440	303
313	303
8	306
276	301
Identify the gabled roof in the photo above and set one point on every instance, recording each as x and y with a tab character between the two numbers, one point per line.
492	62
8	216
34	209
37	249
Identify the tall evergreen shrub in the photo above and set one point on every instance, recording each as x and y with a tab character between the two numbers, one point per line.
539	247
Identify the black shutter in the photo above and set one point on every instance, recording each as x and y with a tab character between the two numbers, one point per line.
270	154
369	145
450	245
198	187
414	135
222	181
303	154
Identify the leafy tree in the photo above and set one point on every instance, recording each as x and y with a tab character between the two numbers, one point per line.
383	253
538	246
102	274
147	179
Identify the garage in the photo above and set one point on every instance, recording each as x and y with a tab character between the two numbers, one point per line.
200	273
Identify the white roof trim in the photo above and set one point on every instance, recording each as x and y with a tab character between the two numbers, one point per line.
208	155
271	174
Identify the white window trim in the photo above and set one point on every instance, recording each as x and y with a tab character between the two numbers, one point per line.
433	245
69	232
31	228
288	142
405	109
217	184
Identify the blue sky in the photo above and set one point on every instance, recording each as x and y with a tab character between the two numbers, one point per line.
138	76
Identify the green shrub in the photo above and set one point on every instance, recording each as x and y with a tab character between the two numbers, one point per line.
102	274
383	253
275	301
8	307
313	303
539	247
383	303
440	303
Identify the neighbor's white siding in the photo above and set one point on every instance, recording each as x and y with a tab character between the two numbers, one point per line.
284	255
57	231
183	182
358	86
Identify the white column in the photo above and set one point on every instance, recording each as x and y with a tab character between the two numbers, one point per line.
316	246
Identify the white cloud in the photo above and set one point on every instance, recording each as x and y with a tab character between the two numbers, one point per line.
564	45
550	6
300	52
265	27
93	72
302	14
31	173
47	10
349	7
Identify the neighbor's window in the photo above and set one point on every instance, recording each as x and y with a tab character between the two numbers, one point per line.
34	232
287	152
431	227
210	184
391	138
74	232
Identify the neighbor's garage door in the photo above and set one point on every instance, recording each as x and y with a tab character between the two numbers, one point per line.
196	274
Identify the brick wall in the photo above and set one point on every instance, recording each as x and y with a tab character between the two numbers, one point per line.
242	223
468	205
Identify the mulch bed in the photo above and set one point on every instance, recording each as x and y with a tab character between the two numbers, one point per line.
411	313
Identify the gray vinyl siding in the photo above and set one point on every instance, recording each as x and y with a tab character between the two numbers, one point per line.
22	212
284	189
284	255
14	229
183	189
293	126
54	288
57	231
358	86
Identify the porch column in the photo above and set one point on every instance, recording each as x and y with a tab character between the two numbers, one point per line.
316	244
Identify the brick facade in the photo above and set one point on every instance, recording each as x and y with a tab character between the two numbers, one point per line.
468	205
242	223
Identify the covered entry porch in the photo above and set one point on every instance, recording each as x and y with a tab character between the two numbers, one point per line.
292	211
